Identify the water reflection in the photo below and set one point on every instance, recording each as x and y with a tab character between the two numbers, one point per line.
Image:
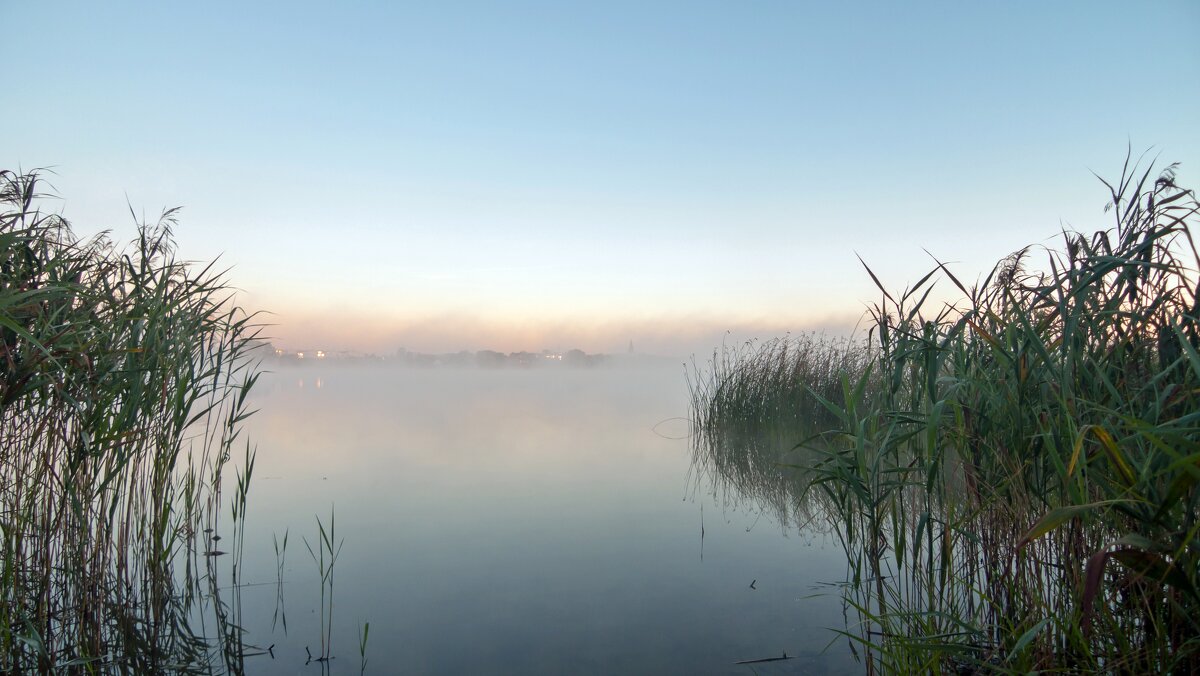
528	521
760	467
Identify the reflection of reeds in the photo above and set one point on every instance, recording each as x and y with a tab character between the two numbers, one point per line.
754	405
123	376
1016	486
280	556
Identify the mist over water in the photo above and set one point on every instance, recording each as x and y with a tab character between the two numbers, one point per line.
517	521
678	337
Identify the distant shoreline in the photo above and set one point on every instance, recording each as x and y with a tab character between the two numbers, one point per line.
486	359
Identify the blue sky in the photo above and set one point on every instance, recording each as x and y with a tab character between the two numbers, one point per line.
528	175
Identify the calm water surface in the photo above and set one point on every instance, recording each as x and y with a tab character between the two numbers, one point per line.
517	521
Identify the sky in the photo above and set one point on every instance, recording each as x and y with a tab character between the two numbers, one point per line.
555	175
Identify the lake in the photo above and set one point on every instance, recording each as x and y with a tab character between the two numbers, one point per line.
534	521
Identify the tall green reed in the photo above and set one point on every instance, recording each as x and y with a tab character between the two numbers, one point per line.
1014	478
123	381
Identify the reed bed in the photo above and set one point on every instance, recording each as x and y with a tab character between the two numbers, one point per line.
123	380
1014	476
754	403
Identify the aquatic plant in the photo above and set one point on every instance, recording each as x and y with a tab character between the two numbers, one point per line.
364	633
325	555
752	407
1014	479
123	380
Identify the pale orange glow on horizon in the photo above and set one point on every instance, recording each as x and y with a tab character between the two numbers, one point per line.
451	332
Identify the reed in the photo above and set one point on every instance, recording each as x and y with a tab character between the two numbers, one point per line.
364	634
752	407
123	380
1014	478
325	556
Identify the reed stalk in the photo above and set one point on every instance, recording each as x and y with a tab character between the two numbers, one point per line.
1014	476
123	381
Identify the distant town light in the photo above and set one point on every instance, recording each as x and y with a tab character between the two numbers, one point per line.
320	354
